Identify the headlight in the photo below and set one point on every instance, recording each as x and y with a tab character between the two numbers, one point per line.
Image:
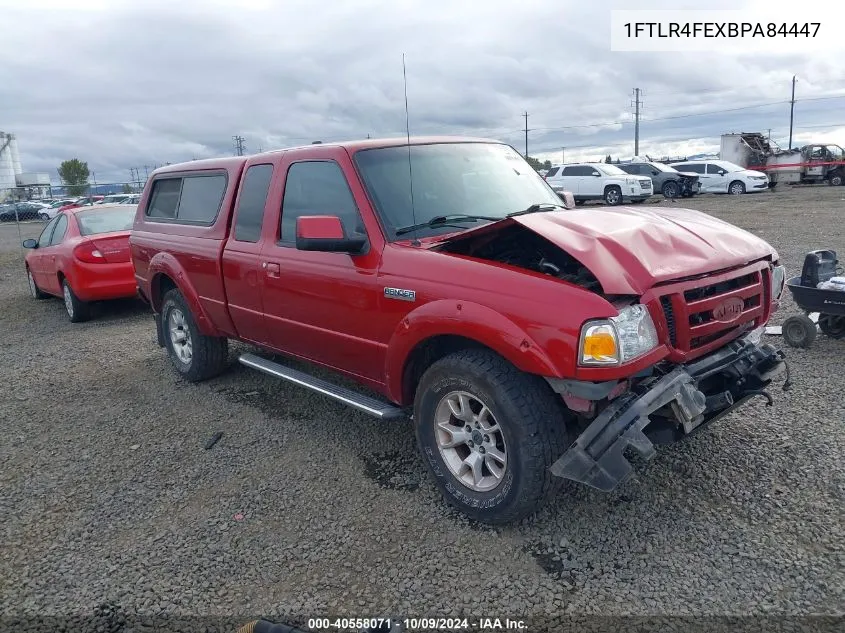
778	281
630	181
618	339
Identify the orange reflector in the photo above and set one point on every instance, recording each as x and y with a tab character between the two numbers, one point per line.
599	346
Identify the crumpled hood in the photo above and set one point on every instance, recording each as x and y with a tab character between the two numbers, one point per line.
630	249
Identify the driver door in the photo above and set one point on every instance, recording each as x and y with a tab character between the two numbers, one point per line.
590	183
318	305
717	178
37	262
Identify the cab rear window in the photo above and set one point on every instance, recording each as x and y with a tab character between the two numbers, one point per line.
193	199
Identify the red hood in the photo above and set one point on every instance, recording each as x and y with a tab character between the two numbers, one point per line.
630	249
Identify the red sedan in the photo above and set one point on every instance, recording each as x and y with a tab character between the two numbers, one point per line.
82	255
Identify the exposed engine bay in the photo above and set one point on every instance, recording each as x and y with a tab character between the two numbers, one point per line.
517	246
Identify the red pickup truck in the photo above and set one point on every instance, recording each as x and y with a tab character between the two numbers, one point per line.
529	342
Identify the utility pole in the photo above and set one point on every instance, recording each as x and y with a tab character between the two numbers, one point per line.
791	111
637	103
769	135
526	133
562	155
239	144
94	179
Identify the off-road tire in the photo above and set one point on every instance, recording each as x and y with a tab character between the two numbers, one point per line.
735	190
613	195
532	422
835	179
209	354
832	325
799	331
671	189
34	290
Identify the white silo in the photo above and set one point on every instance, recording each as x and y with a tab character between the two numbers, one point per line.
7	165
16	157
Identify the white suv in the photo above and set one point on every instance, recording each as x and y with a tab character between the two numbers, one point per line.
600	181
721	176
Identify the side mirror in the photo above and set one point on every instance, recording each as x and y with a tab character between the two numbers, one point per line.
567	197
596	174
325	233
654	172
30	243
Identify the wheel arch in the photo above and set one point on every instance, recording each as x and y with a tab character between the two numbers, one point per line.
442	327
166	273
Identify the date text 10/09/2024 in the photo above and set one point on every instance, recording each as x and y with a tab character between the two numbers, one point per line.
720	29
480	625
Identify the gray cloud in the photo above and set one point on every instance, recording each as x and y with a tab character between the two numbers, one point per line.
135	84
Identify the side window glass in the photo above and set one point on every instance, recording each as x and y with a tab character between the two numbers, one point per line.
60	230
250	213
318	188
201	198
713	169
44	238
165	198
552	172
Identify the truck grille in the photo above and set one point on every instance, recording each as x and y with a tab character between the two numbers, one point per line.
703	314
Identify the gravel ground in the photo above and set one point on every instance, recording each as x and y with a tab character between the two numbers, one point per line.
111	505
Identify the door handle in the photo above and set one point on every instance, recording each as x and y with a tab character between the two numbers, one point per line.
273	270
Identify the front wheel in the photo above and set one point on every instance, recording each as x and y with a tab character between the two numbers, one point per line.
835	179
613	196
736	188
671	189
34	290
195	356
799	331
488	434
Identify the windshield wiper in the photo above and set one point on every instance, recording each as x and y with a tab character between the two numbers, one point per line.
535	208
445	220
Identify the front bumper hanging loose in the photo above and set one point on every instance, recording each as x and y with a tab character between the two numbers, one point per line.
596	457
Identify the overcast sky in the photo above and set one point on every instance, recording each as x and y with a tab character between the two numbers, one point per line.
122	84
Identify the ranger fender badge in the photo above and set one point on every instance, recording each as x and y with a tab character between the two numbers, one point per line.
400	293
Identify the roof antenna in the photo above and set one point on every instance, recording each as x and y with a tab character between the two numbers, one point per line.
415	241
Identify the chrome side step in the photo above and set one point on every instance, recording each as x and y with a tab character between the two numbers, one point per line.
377	408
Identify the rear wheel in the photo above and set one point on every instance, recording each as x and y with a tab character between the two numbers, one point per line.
488	434
195	356
77	310
832	325
613	195
34	290
736	188
799	331
578	203
44	217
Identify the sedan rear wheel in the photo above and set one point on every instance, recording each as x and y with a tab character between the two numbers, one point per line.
44	217
77	310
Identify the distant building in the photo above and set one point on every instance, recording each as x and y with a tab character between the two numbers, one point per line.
14	183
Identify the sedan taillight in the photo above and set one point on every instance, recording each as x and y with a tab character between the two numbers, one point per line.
87	252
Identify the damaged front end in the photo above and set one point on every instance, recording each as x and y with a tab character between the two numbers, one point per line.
664	407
